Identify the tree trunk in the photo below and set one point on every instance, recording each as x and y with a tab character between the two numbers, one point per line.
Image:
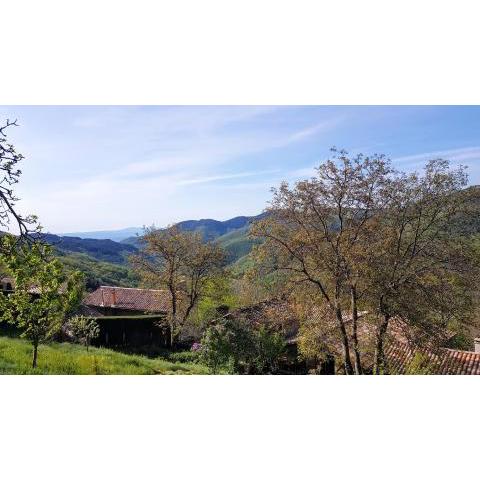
379	362
358	363
35	354
173	336
346	348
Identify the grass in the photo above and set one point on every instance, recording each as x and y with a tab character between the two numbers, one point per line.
71	359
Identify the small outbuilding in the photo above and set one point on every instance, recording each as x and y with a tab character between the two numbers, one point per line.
129	317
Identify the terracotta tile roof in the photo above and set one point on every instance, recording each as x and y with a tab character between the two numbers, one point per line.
400	351
443	361
275	313
137	299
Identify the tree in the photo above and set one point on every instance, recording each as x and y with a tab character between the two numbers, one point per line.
84	328
419	266
216	349
363	236
241	347
313	232
9	177
182	263
43	294
269	347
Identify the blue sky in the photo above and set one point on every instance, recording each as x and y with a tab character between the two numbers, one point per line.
96	168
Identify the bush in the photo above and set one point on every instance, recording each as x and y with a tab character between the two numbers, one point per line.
216	348
269	346
187	356
238	347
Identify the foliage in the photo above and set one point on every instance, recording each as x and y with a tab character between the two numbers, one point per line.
99	273
418	266
237	244
84	328
269	347
239	347
419	365
43	294
216	349
218	293
183	264
362	235
186	356
315	333
73	359
313	232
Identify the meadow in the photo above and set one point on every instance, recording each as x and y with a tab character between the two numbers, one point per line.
72	359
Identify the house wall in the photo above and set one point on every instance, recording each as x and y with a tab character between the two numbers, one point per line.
130	332
133	332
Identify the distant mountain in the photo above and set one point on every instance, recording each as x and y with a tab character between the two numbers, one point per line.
115	235
211	229
236	243
103	250
231	234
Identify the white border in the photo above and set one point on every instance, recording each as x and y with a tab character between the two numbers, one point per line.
248	52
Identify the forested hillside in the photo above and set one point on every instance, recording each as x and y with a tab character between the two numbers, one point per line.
103	250
105	262
99	273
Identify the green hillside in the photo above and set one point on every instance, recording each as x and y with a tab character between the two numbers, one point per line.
99	273
72	359
103	250
236	244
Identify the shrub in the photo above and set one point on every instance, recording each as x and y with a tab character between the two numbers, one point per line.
187	356
84	329
239	347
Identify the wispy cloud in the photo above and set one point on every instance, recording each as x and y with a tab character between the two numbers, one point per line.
457	155
107	167
316	129
216	178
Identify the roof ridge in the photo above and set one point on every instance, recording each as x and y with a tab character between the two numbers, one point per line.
132	288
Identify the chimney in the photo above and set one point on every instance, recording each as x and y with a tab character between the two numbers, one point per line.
114	298
477	345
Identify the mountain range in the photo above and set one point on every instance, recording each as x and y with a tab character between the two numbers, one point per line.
209	228
115	246
115	235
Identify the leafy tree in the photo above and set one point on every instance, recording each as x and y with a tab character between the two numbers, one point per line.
418	265
241	347
269	347
216	349
314	230
218	293
360	235
43	294
84	328
182	263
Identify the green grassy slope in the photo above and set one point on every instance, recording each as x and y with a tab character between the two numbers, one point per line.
70	359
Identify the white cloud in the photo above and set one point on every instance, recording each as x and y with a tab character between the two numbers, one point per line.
316	129
110	167
457	155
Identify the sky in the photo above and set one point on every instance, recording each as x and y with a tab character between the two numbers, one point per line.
98	168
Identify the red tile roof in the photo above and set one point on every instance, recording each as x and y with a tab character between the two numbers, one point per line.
444	361
136	299
400	352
